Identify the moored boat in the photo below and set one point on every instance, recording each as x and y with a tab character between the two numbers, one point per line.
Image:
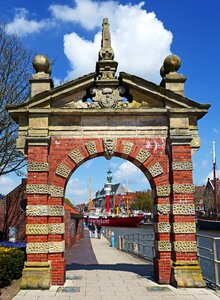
116	221
208	223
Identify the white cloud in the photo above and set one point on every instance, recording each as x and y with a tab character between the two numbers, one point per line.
139	39
205	163
128	174
215	130
210	175
22	26
81	13
8	183
77	191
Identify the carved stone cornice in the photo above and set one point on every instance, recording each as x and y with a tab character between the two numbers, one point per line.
178	140
38	141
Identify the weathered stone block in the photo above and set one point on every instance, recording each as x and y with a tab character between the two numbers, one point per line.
183	209
182	165
76	156
156	169
38	167
163	246
91	147
183	188
63	170
36	275
187	274
143	155
163	191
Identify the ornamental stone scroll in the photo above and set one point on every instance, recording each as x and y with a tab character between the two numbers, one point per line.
162	227
186	227
183	188
45	210
76	156
162	209
63	170
50	247
156	169
127	146
44	229
183	209
185	246
143	155
182	165
38	167
163	191
163	246
91	148
53	191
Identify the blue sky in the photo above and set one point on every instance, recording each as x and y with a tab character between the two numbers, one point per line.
69	33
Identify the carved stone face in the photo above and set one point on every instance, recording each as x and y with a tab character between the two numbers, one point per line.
107	98
109	147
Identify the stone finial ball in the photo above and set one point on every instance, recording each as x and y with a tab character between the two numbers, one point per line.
41	63
171	63
162	72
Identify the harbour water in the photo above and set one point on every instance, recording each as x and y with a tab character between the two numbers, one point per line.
204	250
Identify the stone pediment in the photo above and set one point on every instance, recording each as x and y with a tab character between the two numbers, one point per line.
138	94
146	94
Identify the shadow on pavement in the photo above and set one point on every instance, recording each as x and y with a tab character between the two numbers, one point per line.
142	270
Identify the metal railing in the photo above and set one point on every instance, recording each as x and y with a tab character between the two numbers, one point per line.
208	253
138	244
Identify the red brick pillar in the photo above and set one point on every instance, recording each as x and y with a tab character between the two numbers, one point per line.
162	260
185	269
45	228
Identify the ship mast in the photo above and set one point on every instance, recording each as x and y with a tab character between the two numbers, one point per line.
90	194
214	179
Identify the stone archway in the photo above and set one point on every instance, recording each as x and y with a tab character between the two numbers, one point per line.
153	126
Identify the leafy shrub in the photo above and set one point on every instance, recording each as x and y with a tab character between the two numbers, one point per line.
11	265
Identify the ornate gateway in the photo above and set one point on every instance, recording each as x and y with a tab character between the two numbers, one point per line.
153	126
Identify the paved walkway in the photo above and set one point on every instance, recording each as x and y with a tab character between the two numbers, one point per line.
97	271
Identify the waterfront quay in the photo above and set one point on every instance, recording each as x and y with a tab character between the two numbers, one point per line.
97	271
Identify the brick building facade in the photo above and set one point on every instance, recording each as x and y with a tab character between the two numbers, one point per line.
13	218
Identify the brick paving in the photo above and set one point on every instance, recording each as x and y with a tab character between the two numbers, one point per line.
97	271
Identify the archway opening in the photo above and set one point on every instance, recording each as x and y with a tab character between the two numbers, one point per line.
131	192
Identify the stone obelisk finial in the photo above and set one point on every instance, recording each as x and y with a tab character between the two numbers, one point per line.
106	52
107	93
106	66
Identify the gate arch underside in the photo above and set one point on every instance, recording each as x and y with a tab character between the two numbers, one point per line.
153	126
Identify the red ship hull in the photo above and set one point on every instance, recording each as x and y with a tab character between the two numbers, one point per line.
117	221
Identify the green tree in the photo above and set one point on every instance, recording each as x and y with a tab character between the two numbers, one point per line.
15	70
143	201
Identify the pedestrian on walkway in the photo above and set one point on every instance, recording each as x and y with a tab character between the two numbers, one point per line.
92	228
99	228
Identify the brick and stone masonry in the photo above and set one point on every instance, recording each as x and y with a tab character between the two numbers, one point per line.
153	126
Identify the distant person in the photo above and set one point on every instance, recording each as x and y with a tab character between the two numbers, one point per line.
99	229
92	228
